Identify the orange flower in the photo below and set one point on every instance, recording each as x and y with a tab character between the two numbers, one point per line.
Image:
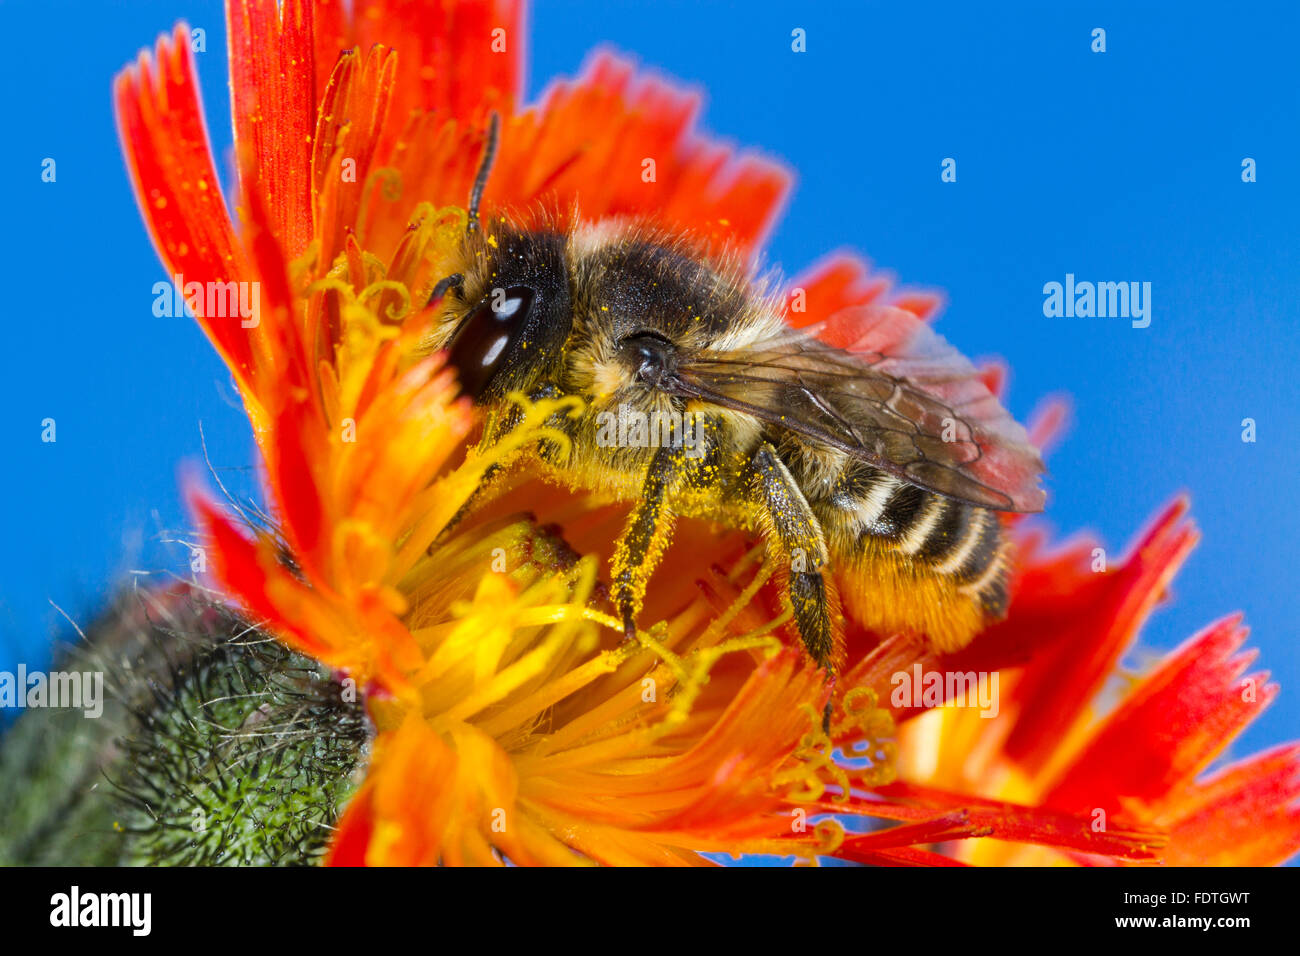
511	722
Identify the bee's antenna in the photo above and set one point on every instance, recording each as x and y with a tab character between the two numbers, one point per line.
484	167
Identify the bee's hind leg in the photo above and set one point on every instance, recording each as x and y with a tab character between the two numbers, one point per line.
793	528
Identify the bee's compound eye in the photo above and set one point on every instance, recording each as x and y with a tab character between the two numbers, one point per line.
652	356
487	336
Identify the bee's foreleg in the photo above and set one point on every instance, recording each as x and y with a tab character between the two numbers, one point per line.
497	428
793	528
646	535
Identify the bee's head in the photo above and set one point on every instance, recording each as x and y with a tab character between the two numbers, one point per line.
510	314
507	313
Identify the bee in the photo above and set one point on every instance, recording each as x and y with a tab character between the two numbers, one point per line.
874	468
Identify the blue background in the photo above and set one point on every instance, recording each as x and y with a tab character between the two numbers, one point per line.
1117	166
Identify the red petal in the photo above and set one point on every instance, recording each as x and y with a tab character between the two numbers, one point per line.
274	100
242	567
1049	422
352	837
164	137
897	856
586	145
445	55
1088	617
994	373
355	106
1172	724
969	816
1247	814
835	283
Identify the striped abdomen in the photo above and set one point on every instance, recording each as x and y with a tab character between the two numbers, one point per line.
916	560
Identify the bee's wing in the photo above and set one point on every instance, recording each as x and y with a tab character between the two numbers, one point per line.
877	383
